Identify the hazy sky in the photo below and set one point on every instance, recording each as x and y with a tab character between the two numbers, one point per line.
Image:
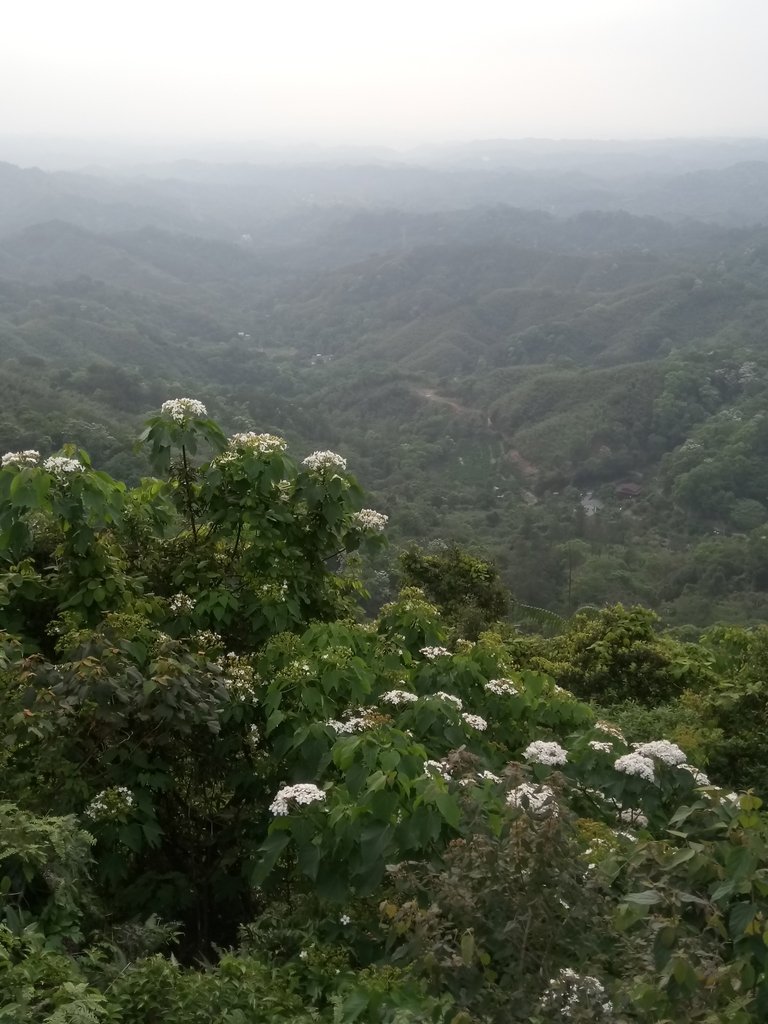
398	73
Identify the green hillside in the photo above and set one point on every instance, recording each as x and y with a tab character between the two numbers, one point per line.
487	369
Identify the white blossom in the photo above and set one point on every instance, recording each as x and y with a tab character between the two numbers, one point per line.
605	748
501	687
60	465
181	603
369	519
240	675
345	919
206	638
261	444
698	776
570	992
540	799
110	804
435	652
449	697
475	721
29	457
545	752
274	591
302	793
635	764
251	443
610	729
631	816
489	777
665	751
318	461
441	767
355	724
398	697
182	409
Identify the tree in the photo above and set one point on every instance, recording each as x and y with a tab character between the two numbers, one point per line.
466	589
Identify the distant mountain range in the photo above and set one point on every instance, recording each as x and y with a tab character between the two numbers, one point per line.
231	201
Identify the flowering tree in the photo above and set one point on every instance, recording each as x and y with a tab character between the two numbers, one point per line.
185	680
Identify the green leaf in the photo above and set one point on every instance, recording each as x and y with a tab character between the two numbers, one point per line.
742	915
355	779
643	899
353	1006
270	850
724	889
449	809
274	720
309	859
685	975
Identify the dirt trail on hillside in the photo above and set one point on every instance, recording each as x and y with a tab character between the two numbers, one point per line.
522	463
432	396
512	453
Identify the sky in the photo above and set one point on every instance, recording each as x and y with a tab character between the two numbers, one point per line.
398	74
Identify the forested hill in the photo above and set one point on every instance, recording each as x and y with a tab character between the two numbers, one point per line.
493	372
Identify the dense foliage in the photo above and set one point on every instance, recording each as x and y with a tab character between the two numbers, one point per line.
228	796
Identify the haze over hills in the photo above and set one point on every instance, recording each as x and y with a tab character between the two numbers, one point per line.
723	182
488	341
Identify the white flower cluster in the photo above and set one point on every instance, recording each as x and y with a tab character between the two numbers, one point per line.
398	697
665	751
240	676
249	442
344	728
206	638
357	723
610	729
182	409
181	603
345	919
274	591
544	752
302	793
698	775
501	687
570	992
487	776
262	444
318	461
435	652
29	457
441	767
605	748
635	764
456	701
110	804
371	520
475	721
60	465
540	800
631	816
